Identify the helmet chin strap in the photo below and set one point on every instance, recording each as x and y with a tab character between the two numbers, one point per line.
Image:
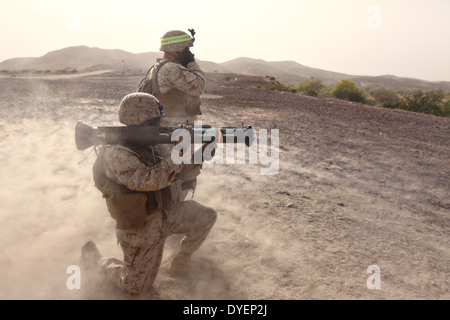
161	109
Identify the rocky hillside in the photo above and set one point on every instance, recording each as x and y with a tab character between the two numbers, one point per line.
82	58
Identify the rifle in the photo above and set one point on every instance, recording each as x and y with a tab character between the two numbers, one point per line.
87	136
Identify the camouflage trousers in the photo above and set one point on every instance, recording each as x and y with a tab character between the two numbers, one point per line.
143	248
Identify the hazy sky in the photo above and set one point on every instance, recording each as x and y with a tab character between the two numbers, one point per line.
369	37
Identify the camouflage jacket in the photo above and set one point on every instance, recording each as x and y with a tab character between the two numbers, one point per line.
190	80
178	88
136	182
130	169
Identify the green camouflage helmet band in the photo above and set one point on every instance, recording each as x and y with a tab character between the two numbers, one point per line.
175	41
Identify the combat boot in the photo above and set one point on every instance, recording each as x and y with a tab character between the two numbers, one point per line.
90	255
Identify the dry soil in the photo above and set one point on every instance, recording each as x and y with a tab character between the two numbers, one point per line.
355	187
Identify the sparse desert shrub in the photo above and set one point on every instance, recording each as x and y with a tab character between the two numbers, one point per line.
445	110
312	87
281	87
425	102
395	104
385	98
347	90
370	102
325	92
384	95
276	85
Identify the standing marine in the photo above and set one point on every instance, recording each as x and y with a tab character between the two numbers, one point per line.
176	80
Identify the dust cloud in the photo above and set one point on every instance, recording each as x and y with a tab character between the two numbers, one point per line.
50	207
47	199
308	232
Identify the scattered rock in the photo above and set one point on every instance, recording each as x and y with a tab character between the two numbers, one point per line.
291	205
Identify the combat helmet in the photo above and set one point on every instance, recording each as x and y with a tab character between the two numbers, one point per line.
138	107
176	41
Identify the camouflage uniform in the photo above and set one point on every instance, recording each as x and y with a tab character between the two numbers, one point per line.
142	190
179	89
190	80
143	247
178	85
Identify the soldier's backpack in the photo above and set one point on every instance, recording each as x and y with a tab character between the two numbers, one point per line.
150	83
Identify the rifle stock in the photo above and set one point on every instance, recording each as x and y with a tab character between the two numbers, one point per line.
87	136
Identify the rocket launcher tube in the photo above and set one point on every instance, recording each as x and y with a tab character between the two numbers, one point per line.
87	136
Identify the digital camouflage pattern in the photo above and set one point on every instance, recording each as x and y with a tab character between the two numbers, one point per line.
124	166
143	247
190	80
179	91
138	107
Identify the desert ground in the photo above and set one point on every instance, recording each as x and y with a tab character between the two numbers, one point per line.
355	186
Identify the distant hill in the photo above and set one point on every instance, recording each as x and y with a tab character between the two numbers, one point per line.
85	58
291	72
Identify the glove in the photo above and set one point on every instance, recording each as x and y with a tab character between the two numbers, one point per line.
189	172
185	57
